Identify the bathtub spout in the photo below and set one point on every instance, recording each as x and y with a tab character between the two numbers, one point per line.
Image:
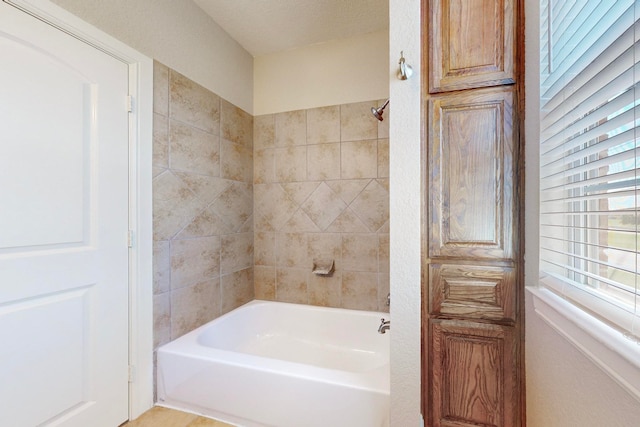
384	326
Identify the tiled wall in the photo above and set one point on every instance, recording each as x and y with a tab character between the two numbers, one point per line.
202	205
321	192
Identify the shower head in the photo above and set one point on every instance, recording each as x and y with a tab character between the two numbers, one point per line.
377	112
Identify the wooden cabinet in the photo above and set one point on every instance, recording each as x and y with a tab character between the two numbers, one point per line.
479	292
471	174
472	237
474	375
472	44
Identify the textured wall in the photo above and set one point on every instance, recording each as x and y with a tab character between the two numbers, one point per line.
180	35
322	193
405	202
336	72
202	205
565	388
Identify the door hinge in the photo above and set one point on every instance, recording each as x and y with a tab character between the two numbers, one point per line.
129	103
132	373
130	238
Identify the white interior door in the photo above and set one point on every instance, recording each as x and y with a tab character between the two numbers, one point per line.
63	228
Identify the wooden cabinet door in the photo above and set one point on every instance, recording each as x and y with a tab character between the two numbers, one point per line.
473	380
471	175
471	44
473	291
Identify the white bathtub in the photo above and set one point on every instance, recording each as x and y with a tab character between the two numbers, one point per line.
284	365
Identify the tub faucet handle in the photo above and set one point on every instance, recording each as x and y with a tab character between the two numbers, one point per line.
384	326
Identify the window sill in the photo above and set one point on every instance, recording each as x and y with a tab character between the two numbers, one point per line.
609	349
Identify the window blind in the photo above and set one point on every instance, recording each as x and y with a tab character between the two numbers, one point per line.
589	157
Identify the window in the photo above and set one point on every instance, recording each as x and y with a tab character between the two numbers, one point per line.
589	156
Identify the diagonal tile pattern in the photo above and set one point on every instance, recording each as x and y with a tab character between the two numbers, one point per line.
327	181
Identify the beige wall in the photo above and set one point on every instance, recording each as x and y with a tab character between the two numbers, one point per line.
180	35
322	194
337	72
202	205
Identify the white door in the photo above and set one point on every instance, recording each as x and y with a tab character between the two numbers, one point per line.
63	228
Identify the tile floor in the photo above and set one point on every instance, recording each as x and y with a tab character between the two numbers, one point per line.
164	417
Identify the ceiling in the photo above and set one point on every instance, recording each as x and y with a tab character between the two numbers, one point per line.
267	26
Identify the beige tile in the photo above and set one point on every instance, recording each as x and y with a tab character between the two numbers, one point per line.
236	161
161	319
273	207
236	125
157	170
360	252
383	158
372	206
383	126
291	164
237	289
264	166
323	161
357	123
162	417
325	246
325	290
206	188
194	260
290	250
348	189
161	266
247	227
265	282
300	191
235	204
192	104
174	206
193	150
359	159
291	128
360	290
291	285
160	89
384	228
383	291
299	223
193	306
236	252
206	224
264	131
207	422
160	141
323	206
264	248
383	253
347	222
323	125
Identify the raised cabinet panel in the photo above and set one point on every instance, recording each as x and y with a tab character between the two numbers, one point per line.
475	292
470	175
473	380
471	44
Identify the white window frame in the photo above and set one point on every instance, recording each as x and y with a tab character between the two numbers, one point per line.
617	355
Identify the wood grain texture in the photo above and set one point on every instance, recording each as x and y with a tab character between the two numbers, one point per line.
471	44
473	292
470	175
473	375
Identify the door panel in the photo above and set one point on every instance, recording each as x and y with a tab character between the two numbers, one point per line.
472	291
471	181
473	380
472	44
63	228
